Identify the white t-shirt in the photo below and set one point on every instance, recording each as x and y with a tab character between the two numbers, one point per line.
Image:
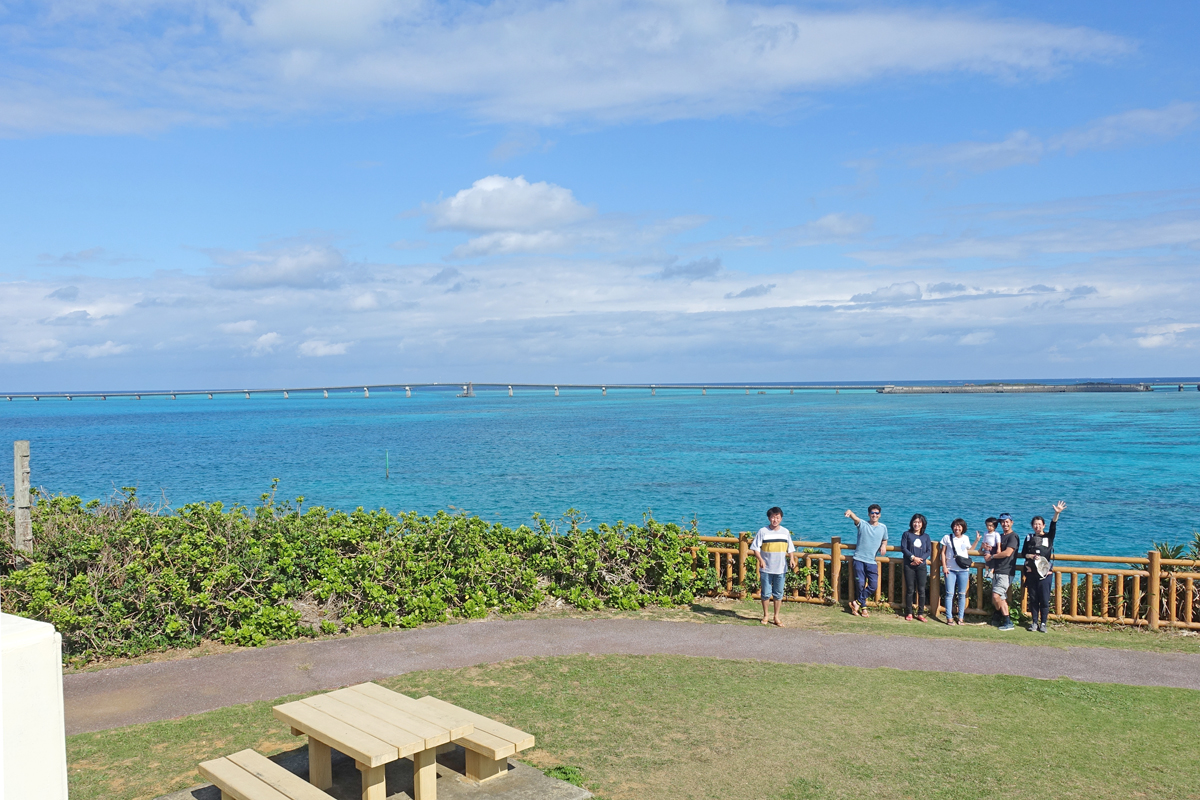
991	541
957	545
774	545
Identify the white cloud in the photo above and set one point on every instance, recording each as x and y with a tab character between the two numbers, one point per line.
109	348
320	347
245	326
301	266
1162	335
518	217
978	337
266	343
1128	128
509	242
754	291
65	293
896	293
1102	227
698	270
497	203
607	319
1020	147
113	67
837	227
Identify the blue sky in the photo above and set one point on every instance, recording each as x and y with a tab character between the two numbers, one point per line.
207	194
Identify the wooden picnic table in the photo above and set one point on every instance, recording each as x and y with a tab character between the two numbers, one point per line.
375	726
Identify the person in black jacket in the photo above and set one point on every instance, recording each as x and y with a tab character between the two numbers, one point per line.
915	546
1038	553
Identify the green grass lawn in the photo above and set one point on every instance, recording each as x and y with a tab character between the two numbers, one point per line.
675	727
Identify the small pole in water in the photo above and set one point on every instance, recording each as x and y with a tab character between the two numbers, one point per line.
387	468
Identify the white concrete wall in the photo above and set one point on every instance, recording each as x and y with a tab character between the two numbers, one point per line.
33	735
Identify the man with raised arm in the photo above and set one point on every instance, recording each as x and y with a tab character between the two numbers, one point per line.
872	539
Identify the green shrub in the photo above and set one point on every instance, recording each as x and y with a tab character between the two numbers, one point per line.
120	579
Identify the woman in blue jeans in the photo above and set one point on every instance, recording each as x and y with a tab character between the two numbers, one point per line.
956	566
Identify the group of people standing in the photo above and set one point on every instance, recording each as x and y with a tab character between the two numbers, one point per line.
773	548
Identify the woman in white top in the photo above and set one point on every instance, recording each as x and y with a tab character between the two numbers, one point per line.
956	566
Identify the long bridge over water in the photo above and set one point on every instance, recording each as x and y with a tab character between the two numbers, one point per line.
468	389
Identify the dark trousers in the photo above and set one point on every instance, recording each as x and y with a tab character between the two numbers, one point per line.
867	578
916	583
1039	596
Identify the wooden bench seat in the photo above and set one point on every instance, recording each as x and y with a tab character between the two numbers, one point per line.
489	746
246	775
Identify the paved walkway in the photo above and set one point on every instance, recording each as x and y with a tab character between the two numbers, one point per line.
121	696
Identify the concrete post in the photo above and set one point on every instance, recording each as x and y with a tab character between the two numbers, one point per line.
23	538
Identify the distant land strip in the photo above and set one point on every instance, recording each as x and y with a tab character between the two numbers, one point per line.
468	389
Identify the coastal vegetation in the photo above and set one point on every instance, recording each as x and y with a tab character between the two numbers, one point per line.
671	726
123	578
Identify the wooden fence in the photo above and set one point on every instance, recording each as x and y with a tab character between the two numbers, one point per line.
1153	591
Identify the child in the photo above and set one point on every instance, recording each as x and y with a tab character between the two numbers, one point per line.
773	548
991	543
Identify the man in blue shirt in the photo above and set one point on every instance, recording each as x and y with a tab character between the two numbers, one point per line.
872	539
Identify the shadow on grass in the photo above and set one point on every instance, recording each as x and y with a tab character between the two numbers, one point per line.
730	613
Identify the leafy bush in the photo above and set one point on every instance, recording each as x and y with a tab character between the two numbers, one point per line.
122	578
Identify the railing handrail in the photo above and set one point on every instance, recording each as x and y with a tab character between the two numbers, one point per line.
1058	557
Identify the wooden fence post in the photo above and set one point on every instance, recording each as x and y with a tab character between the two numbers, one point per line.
23	532
835	567
1154	590
743	553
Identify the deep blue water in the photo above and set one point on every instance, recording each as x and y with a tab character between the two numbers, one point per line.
1126	464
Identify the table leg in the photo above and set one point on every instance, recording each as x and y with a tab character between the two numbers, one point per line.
480	767
320	764
425	774
374	782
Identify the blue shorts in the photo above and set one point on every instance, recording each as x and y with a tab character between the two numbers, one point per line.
772	585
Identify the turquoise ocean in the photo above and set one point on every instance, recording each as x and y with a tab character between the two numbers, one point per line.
1128	465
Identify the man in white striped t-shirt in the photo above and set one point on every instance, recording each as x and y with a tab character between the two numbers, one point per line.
773	548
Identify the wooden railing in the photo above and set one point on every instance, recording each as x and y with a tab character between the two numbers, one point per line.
1151	591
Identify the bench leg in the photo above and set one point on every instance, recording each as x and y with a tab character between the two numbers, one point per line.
320	764
425	775
480	768
227	796
374	782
